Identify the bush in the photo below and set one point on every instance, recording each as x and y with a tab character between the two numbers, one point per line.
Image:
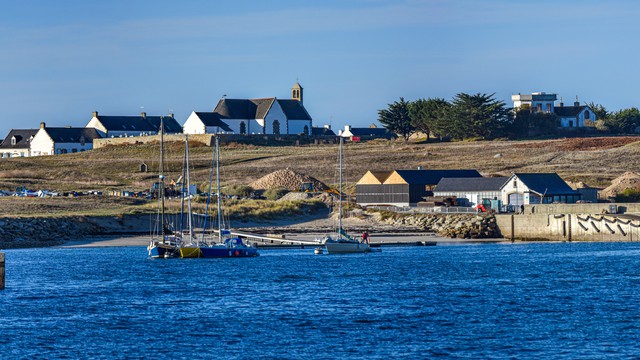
629	196
275	193
238	190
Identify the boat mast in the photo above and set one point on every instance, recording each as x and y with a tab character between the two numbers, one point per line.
340	193
190	217
161	176
218	190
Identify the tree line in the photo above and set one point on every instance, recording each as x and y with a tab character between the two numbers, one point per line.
482	116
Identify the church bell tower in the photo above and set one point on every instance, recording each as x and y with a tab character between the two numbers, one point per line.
296	92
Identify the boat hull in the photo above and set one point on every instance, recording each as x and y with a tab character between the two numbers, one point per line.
210	252
190	252
162	251
347	247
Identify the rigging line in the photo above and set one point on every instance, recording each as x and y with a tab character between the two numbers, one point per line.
206	211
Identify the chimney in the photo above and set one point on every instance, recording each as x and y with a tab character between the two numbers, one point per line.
42	125
143	114
171	115
327	126
561	104
95	114
347	128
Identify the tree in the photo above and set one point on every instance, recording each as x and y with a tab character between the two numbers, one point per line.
526	123
396	119
478	115
599	111
625	121
426	114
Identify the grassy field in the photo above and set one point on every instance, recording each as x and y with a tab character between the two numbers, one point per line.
595	161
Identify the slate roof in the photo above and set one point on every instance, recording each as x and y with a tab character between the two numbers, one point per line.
258	108
546	183
212	119
139	123
373	132
72	135
322	131
294	110
567	111
471	184
432	177
23	139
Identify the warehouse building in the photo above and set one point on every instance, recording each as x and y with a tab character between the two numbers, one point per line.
403	187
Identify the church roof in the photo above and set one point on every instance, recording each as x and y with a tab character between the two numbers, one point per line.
258	108
293	109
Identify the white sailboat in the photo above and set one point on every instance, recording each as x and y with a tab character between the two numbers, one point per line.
343	243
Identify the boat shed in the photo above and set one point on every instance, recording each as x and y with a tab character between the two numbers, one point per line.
403	187
541	188
471	191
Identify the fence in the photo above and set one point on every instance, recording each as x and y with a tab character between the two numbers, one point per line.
427	209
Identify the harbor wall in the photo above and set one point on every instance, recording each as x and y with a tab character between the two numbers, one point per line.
570	227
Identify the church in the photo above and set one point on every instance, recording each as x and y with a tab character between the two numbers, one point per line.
270	116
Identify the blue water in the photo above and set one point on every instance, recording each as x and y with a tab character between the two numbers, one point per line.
560	300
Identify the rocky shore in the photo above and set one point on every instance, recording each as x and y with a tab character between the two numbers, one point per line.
52	231
460	226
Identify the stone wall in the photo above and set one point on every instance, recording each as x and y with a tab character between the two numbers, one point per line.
462	226
206	139
570	227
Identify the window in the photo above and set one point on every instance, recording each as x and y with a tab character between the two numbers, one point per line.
306	130
539	107
548	108
276	127
570	123
74	150
13	140
243	128
587	115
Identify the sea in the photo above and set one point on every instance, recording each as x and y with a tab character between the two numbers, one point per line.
497	301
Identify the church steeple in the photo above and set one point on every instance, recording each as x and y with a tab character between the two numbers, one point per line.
296	92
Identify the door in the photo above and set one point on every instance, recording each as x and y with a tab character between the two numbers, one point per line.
516	199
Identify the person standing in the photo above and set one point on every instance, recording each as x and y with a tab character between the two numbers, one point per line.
365	237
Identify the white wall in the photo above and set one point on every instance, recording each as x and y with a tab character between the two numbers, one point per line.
194	125
68	148
253	126
564	122
276	113
514	185
95	123
42	144
11	153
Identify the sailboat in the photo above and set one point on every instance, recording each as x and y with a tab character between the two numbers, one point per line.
343	243
167	245
226	245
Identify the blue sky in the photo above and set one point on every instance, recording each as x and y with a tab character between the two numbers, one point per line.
61	60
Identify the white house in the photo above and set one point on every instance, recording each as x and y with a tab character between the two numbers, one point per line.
62	140
126	126
542	188
205	123
255	116
17	143
569	116
471	191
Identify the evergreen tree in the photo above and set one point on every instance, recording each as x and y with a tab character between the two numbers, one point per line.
427	114
396	118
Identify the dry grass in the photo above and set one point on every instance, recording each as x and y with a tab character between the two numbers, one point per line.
595	161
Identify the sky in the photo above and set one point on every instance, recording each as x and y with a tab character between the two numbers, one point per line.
62	60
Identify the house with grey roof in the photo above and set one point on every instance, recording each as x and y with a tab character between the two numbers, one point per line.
126	126
537	188
200	122
324	131
62	140
471	191
569	116
17	143
270	116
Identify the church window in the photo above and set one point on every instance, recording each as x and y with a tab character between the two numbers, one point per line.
243	128
276	127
